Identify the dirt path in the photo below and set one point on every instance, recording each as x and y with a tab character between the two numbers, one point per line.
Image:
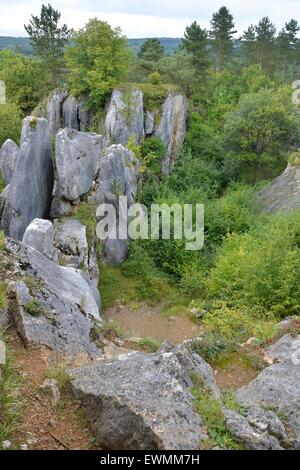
148	322
44	426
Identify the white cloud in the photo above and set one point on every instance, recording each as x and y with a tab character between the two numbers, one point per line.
147	17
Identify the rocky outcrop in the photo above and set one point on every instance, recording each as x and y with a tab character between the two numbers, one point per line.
125	117
51	305
278	386
40	236
172	127
78	156
283	194
142	401
117	177
71	243
30	189
75	114
64	110
53	111
9	156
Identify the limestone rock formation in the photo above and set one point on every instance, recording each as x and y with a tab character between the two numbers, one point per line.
142	401
125	117
117	177
9	156
40	236
78	156
283	194
70	241
278	386
75	114
53	112
30	189
172	127
58	308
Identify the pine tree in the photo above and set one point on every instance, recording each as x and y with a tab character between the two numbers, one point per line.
248	47
265	38
195	42
151	50
48	39
222	32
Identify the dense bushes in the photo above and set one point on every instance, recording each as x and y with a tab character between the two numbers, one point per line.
10	122
260	269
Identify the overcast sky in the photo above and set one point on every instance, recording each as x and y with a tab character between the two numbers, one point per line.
144	18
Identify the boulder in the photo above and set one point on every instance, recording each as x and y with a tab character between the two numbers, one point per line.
78	156
142	401
71	242
117	177
9	156
40	236
54	306
54	110
277	387
172	127
283	194
257	430
31	186
125	117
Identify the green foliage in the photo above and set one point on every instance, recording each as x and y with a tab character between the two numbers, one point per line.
61	375
48	39
34	308
10	122
153	152
111	328
134	147
210	410
261	130
11	403
152	50
155	78
179	69
24	78
195	42
212	346
149	345
98	60
86	214
222	31
260	269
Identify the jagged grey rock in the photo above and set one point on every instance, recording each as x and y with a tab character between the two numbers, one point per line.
283	194
125	117
40	236
78	156
60	312
117	177
3	197
75	114
172	127
71	242
151	122
9	156
54	110
50	388
142	401
278	386
256	432
31	186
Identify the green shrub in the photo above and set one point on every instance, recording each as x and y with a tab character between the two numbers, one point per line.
261	269
10	122
149	345
153	153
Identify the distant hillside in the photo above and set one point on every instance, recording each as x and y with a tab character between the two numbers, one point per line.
23	44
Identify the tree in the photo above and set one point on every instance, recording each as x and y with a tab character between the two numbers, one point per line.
25	82
261	130
152	50
286	43
97	61
265	39
248	52
195	42
10	122
222	31
179	69
48	39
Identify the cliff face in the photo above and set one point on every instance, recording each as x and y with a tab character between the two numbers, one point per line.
283	194
127	115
